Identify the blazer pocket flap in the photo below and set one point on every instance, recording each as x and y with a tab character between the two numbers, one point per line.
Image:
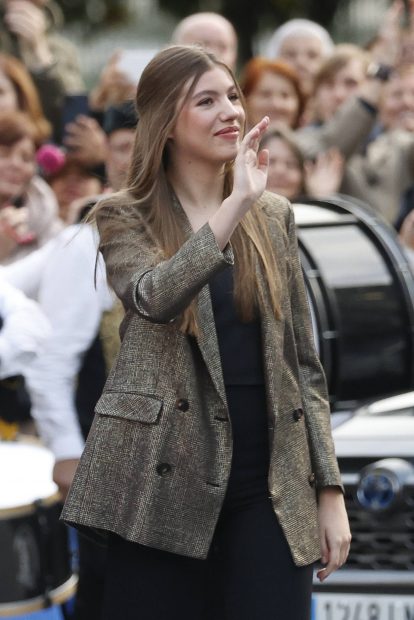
130	406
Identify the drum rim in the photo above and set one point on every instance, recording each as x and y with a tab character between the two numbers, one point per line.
384	238
57	596
28	509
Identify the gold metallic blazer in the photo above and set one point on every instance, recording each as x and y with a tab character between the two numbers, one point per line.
157	460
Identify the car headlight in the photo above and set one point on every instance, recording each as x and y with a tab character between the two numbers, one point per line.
381	484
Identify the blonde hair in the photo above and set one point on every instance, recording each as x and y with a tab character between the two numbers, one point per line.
147	204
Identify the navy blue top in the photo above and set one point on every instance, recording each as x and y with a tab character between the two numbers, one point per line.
240	344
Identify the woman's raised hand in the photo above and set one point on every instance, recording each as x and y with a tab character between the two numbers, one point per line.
250	177
251	165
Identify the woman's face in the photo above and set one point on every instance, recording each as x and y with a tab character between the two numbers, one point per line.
17	167
331	94
210	125
273	96
397	105
285	175
305	55
8	96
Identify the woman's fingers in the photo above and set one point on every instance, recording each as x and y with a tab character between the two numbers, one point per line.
333	554
263	160
252	138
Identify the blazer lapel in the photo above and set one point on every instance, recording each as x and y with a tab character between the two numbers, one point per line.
272	345
207	337
207	340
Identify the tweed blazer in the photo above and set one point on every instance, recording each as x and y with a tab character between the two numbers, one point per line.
157	460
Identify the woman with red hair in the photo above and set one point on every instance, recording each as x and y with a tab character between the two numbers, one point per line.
271	88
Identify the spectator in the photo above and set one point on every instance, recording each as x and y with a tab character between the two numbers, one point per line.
397	113
397	102
339	77
84	136
28	207
272	88
211	31
27	31
18	92
23	331
286	174
349	126
119	126
113	88
289	174
71	182
303	44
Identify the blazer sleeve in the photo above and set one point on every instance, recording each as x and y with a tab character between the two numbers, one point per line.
312	381
159	290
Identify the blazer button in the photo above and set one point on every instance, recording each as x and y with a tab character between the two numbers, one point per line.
312	480
297	414
182	404
163	469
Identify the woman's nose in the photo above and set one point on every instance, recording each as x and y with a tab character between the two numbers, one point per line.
15	160
229	110
340	95
278	168
277	103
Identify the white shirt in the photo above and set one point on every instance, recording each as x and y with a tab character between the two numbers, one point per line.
61	277
25	331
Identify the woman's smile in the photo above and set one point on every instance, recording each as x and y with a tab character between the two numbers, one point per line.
229	133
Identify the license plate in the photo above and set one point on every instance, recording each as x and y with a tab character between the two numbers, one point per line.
362	607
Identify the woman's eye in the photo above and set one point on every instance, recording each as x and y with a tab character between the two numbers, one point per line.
234	97
206	101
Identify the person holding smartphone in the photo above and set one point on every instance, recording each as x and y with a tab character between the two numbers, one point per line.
28	32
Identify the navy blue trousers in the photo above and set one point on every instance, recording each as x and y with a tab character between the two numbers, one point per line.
249	573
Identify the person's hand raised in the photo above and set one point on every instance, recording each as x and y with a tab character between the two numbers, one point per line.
28	23
323	177
250	178
87	140
251	165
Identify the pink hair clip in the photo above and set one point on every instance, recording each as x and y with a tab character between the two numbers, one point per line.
50	158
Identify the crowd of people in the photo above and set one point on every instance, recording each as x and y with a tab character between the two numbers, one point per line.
340	120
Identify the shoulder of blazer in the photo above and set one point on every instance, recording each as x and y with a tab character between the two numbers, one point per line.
277	208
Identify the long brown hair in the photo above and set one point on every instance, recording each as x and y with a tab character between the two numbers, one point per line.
147	202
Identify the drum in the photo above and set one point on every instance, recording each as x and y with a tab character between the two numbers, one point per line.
361	292
35	564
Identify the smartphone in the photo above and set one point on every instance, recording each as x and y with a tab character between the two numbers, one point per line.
73	106
133	62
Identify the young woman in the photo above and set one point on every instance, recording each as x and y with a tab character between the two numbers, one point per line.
210	468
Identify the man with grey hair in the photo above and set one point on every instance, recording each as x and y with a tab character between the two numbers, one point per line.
211	31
